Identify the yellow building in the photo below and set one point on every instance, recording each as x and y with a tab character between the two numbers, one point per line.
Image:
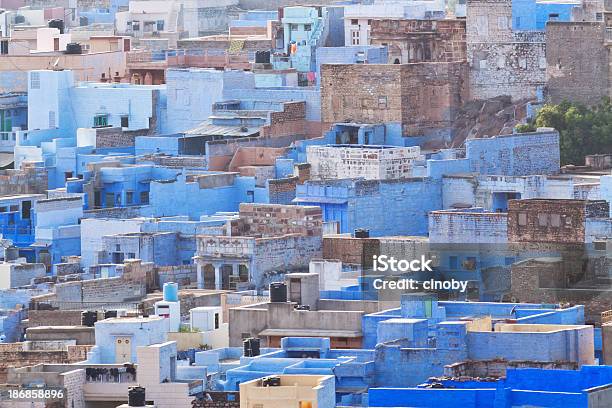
289	391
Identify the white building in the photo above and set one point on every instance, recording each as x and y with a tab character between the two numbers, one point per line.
358	17
149	18
355	161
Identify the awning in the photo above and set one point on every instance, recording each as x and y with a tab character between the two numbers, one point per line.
310	333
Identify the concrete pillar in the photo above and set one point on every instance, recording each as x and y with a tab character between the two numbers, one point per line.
218	276
235	271
199	272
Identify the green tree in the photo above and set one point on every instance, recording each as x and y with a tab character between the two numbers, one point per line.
583	130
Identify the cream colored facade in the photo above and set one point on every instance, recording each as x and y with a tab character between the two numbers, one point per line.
295	391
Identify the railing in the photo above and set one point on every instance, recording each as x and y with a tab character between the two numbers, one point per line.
608	33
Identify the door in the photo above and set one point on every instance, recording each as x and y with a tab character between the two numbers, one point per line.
123	349
295	291
26	208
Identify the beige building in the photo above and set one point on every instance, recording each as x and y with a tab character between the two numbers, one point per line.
289	391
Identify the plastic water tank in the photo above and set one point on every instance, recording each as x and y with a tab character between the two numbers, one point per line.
136	396
171	292
251	347
57	23
89	318
278	292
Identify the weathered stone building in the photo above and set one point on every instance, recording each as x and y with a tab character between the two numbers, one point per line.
581	73
266	241
411	41
423	97
553	221
502	61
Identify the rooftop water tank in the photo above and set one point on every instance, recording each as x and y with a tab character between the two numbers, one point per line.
171	292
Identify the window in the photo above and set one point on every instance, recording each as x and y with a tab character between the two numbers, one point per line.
522	219
14	208
109	200
354	22
482	64
144	197
469	263
568	222
35	80
502	23
129	197
518	22
307	27
131	255
598	16
125	121
542	63
482	25
100	121
52	119
160	25
355	39
293	27
216	320
67	175
250	196
555	220
4	47
136	25
2	209
382	102
543	220
117	247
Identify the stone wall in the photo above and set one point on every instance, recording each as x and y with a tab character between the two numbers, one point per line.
184	275
552	221
502	62
27	180
579	74
562	281
426	102
411	41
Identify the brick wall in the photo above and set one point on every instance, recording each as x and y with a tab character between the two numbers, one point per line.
282	191
291	121
54	318
351	250
275	220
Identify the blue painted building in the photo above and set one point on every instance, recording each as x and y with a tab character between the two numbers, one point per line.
532	15
520	387
357	204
